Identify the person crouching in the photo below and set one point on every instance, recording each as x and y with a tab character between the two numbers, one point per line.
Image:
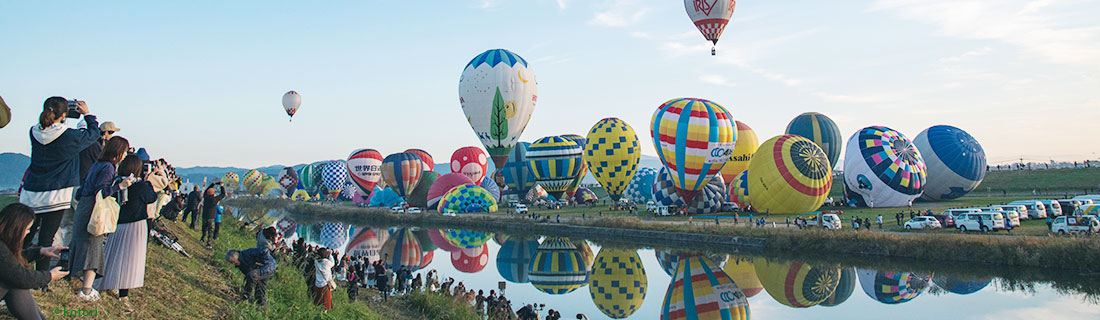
258	266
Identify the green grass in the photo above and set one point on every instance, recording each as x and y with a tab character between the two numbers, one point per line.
438	306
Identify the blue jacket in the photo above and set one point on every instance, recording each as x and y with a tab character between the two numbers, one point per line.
55	161
101	176
257	259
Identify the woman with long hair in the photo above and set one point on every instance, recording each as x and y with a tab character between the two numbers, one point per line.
54	173
86	255
124	268
16	277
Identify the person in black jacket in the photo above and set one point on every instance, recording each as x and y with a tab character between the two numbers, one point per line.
16	278
209	212
258	266
172	210
124	267
192	206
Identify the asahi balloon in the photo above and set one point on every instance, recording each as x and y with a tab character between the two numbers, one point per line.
498	91
291	101
694	139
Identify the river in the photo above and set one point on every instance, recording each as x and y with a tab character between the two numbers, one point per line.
610	280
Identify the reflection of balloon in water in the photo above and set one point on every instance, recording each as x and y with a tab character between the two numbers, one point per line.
586	253
288	178
694	138
618	282
471	260
844	288
821	130
554	161
402	171
892	287
365	168
368	243
558	267
425	241
287	226
465	239
701	290
640	190
743	273
517	176
739	189
470	161
611	152
426	259
746	146
955	161
334	174
789	174
402	250
882	169
443	184
419	196
514	258
467	199
426	161
668	259
291	101
710	18
576	183
498	91
959	285
440	241
334	235
796	284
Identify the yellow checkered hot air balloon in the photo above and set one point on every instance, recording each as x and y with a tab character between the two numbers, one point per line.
694	139
789	174
231	181
796	284
618	282
612	153
701	290
742	151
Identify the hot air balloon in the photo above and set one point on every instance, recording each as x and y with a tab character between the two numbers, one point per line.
746	146
419	195
516	175
555	162
844	288
334	235
252	179
743	273
491	186
536	193
443	184
468	199
440	241
300	195
291	101
558	267
640	190
402	250
821	130
669	259
739	189
960	285
576	183
427	163
882	169
402	171
612	153
710	199
498	91
701	290
892	287
369	243
796	284
309	177
694	138
514	258
471	260
465	239
334	175
618	282
789	174
710	17
365	169
470	161
384	198
288	178
664	190
955	161
5	113
584	195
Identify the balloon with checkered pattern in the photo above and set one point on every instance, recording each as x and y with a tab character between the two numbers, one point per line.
710	17
882	168
618	283
612	153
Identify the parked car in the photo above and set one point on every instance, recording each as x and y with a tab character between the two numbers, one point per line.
521	208
1019	208
946	220
1035	209
830	221
449	213
1012	219
1069	206
397	209
1053	208
956	213
1094	197
983	221
413	210
1075	224
922	223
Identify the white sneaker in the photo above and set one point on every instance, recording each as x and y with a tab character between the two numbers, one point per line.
94	296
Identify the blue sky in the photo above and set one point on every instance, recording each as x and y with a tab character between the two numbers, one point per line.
200	83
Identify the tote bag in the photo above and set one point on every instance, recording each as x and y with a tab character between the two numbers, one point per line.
104	215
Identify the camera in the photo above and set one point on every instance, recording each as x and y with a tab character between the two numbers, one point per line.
74	109
63	261
146	168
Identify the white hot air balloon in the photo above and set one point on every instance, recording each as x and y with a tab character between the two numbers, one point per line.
498	91
291	101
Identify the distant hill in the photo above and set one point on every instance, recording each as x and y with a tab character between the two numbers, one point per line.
12	166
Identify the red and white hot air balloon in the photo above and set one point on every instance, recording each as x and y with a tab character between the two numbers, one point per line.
710	16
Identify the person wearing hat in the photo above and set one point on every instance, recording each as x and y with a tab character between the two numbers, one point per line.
89	155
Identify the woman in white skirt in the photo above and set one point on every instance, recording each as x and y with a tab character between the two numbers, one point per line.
125	265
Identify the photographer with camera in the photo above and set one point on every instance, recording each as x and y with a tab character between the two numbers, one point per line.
124	268
87	255
209	212
16	277
54	172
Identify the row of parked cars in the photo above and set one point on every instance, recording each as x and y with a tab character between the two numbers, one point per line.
1075	215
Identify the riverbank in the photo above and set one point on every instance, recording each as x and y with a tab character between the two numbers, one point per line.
1077	254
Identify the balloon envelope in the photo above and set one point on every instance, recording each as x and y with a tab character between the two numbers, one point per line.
444	184
467	199
288	178
558	267
789	174
618	282
402	171
892	287
739	189
402	249
702	290
517	176
710	17
419	195
514	259
365	168
796	284
498	91
821	130
427	163
576	183
694	138
612	153
470	161
640	190
291	101
955	161
471	260
555	162
746	146
882	169
334	175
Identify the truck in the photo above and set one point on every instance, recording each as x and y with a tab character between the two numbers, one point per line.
1075	224
521	208
829	221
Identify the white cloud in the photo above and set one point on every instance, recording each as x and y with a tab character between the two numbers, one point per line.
620	13
969	54
1031	26
488	4
562	4
640	35
717	80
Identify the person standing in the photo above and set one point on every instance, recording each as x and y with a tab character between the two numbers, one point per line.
323	282
192	206
124	268
880	221
16	278
209	211
54	172
92	153
258	266
87	251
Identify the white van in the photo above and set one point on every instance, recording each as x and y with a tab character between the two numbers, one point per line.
1012	219
1053	207
956	213
990	221
1075	224
1019	208
1035	209
1094	197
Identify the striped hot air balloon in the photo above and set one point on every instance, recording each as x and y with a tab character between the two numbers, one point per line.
252	180
746	146
743	273
402	172
701	290
555	161
558	267
517	176
739	189
309	177
576	183
789	174
822	131
365	169
514	258
426	160
693	138
612	153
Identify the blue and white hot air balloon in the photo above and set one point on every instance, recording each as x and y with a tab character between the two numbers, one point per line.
955	161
